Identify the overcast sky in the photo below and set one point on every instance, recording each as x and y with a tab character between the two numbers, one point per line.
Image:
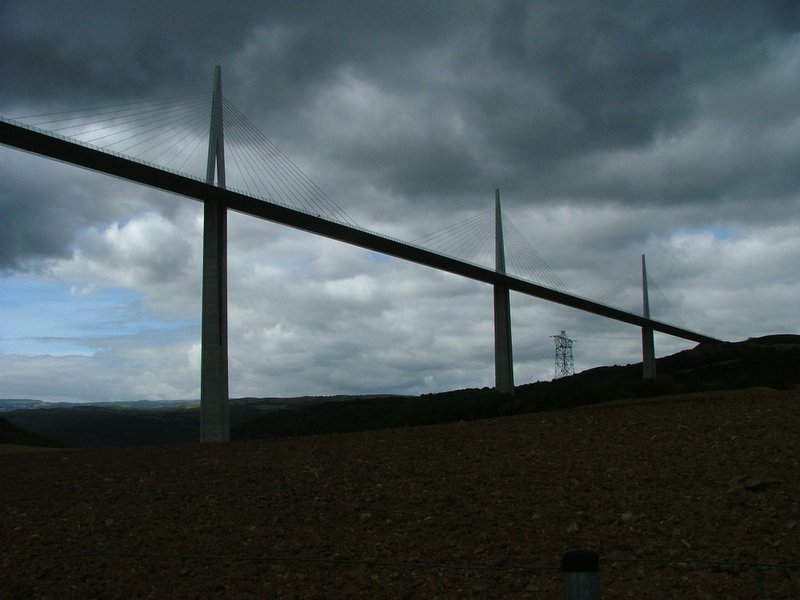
613	129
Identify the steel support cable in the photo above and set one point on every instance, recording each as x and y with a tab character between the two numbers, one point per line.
110	120
180	113
315	191
170	138
287	188
300	182
429	237
527	262
512	255
535	262
270	193
485	243
514	263
277	180
665	309
524	262
117	119
619	295
462	246
241	160
167	121
468	239
99	111
243	135
448	239
528	252
245	174
462	240
293	187
176	139
486	254
181	147
198	131
249	171
135	131
475	239
286	191
189	153
253	172
628	295
233	155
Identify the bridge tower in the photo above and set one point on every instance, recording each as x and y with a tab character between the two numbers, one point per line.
648	342
503	355
214	418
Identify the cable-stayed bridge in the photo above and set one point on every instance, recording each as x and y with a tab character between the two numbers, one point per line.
153	143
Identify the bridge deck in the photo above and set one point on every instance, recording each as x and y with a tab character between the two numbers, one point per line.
62	149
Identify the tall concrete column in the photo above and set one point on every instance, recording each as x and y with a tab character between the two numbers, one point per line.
214	420
648	342
503	354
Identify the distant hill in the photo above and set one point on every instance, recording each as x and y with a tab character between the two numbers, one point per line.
11	434
140	423
769	361
9	404
96	426
763	362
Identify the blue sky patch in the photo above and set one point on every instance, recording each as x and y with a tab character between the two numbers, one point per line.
52	318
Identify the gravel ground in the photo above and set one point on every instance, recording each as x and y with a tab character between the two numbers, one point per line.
480	509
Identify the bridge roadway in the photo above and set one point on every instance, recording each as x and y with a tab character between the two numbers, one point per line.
62	149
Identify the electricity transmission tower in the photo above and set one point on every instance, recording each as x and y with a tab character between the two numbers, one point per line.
565	365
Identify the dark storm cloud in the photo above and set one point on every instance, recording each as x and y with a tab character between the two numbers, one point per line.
540	89
435	104
103	50
111	49
538	85
625	73
609	69
45	207
42	218
624	70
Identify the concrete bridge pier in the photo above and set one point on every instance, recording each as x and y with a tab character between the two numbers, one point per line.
214	419
648	341
503	352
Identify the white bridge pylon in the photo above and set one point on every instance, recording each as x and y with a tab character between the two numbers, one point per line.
214	402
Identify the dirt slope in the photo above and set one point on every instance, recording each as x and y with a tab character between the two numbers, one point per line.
710	476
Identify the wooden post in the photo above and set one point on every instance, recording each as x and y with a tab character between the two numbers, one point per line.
580	567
